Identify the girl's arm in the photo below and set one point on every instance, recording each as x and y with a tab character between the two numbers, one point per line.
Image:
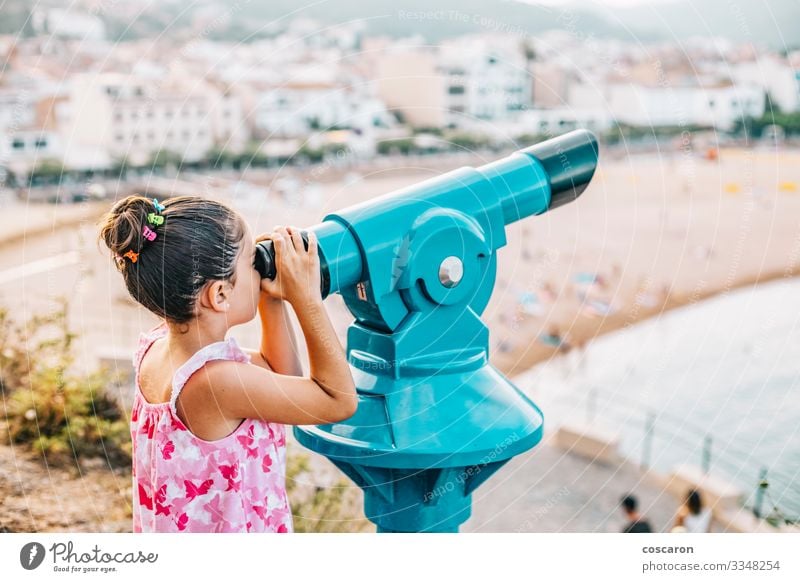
329	393
278	343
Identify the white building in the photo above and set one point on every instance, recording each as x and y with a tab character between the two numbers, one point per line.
133	118
68	23
229	128
24	149
646	106
555	121
470	78
297	109
17	109
484	79
543	123
29	117
773	76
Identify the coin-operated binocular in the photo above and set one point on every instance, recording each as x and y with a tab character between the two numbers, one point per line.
416	268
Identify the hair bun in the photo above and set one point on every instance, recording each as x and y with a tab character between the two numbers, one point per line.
122	227
198	241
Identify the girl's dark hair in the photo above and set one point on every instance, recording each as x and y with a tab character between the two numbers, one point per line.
198	242
694	502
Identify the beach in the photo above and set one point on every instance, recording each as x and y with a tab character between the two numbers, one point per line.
649	234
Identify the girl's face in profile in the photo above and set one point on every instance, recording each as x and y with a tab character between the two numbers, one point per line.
247	290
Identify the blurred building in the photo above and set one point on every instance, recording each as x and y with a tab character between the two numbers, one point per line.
658	106
69	96
68	23
410	85
550	84
30	110
17	109
463	80
295	109
775	77
134	118
485	78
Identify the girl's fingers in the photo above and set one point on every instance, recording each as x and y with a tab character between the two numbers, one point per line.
297	240
279	245
286	240
312	243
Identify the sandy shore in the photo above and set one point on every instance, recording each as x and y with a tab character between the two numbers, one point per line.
650	234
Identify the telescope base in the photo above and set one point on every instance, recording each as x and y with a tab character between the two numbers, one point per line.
418	500
420	445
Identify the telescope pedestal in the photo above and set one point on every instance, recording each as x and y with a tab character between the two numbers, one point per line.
429	429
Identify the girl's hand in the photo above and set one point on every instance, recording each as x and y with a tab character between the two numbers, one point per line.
298	270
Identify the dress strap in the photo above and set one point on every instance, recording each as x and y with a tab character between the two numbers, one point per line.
228	349
146	338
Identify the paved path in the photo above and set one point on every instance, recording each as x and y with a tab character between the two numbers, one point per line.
548	490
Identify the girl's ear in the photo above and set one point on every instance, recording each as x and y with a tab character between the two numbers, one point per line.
216	296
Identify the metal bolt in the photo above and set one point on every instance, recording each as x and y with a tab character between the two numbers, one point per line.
451	270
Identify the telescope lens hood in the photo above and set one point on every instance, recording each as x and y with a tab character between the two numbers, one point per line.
570	161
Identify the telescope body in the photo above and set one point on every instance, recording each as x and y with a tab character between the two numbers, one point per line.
416	268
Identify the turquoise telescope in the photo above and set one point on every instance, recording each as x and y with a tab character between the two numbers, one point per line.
416	268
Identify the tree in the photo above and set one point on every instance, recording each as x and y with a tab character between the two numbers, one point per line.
163	158
46	172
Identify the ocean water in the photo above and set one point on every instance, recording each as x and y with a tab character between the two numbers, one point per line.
719	376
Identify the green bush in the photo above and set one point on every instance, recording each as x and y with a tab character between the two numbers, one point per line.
754	127
163	158
14	365
402	146
467	141
46	172
60	414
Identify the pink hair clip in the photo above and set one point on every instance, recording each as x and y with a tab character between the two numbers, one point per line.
149	233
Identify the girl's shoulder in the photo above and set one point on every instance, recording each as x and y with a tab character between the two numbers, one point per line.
227	350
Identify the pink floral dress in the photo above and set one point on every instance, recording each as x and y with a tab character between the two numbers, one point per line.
182	483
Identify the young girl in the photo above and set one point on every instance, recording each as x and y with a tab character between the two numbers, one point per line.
207	417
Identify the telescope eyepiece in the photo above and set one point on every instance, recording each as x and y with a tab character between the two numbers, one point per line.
264	263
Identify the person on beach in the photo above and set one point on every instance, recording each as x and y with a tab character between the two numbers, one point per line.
208	416
692	517
636	522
